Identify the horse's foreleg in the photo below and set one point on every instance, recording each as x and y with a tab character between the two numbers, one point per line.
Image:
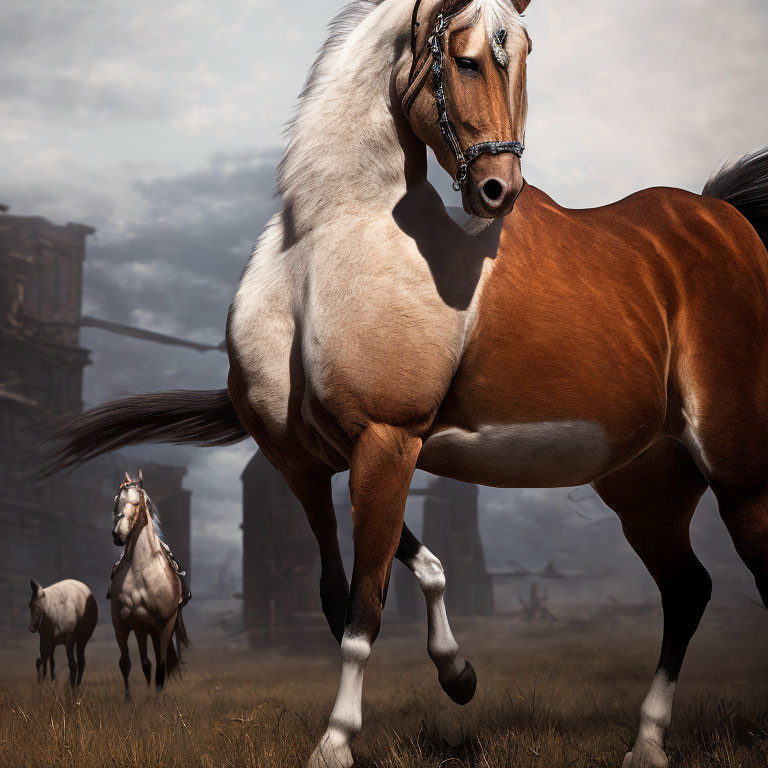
38	667
125	659
146	664
51	661
381	469
457	677
655	497
314	494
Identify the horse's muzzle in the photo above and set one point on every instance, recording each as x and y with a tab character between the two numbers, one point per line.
116	539
493	186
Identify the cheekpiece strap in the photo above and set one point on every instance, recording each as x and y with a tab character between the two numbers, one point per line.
434	50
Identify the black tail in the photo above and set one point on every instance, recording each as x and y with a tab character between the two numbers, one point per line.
205	418
182	638
173	659
745	186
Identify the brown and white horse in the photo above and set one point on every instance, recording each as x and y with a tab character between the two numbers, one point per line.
624	346
146	593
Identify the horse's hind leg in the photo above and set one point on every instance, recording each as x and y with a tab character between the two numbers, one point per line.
161	652
52	664
746	517
42	662
457	677
146	664
72	663
655	497
314	494
80	648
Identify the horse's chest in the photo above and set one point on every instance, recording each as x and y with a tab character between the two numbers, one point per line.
359	334
389	368
132	596
387	348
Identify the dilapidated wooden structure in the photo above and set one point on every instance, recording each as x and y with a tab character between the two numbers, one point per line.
59	529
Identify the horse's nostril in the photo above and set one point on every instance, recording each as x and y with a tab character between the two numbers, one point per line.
493	189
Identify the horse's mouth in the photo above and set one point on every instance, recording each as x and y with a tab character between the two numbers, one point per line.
117	540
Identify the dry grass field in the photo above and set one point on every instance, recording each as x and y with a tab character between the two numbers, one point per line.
548	697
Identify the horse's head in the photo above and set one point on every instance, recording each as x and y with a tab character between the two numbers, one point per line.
36	606
130	507
464	94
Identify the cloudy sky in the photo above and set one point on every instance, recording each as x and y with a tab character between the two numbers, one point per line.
160	124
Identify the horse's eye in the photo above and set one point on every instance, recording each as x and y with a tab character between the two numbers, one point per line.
469	65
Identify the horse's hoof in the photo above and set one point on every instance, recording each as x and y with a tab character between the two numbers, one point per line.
332	752
646	754
462	689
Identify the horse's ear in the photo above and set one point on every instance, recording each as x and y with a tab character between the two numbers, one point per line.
521	5
141	479
127	477
36	588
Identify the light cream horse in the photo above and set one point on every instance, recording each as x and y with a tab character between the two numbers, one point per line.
146	592
63	614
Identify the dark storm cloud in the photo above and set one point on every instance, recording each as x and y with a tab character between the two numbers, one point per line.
178	268
30	95
229	180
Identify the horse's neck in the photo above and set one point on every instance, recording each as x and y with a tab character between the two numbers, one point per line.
346	160
143	547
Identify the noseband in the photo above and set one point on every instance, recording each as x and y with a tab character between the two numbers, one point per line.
464	158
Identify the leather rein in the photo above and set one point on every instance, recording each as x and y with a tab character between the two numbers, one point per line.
464	157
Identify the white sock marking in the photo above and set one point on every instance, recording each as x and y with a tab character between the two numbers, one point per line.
656	711
441	645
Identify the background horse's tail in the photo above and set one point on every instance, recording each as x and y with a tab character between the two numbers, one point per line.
745	186
205	418
173	659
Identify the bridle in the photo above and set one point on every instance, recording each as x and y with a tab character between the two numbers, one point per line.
464	158
127	485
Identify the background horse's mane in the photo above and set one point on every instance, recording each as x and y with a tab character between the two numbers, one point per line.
154	516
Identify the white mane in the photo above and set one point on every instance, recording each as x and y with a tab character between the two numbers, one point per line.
342	136
318	101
